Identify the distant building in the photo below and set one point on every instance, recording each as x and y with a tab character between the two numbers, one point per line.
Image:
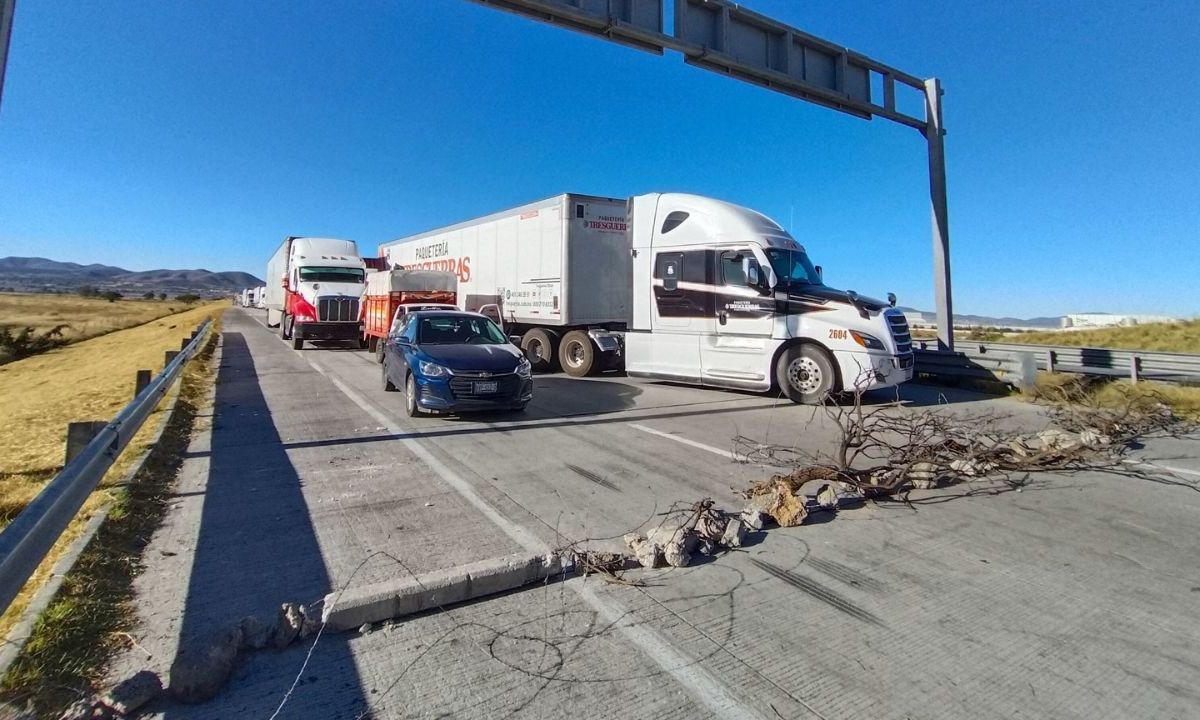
1098	320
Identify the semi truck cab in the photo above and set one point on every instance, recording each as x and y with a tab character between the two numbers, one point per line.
322	287
724	296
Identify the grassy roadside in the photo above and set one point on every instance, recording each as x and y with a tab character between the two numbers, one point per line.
84	317
88	380
1055	387
1181	337
88	618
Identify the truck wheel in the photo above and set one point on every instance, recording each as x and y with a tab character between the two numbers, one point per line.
805	374
297	343
576	354
388	385
541	347
379	347
411	408
372	344
285	332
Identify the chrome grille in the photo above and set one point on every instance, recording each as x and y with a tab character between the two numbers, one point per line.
899	327
463	384
337	309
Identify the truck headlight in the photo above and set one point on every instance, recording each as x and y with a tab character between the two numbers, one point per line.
433	370
870	342
524	369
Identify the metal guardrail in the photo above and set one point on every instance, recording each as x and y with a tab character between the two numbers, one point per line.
27	539
974	359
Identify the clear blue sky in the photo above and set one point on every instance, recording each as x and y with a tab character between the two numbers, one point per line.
197	134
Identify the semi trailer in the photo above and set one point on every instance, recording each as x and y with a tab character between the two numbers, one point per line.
314	288
671	286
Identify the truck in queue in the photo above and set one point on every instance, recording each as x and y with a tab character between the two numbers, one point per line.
390	294
314	289
669	286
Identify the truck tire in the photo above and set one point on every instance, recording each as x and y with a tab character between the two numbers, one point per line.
372	343
285	332
806	374
297	343
577	354
541	348
380	344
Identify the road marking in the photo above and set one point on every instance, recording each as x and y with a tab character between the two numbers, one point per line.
686	671
1168	468
685	441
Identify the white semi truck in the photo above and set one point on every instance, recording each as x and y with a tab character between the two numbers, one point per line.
314	288
671	286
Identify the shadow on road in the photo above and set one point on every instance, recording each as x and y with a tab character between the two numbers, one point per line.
257	548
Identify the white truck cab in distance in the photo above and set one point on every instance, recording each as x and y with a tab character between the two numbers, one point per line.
314	290
724	296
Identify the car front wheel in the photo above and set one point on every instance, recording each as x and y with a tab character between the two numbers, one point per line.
410	398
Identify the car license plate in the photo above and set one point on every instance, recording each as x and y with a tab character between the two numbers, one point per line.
484	388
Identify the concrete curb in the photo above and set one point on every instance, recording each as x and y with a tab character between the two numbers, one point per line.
407	596
23	629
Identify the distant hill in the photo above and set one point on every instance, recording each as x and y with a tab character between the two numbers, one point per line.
987	321
35	274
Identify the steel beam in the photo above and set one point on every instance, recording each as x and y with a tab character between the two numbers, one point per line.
7	9
935	135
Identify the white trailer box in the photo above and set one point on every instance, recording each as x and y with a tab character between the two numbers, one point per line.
559	263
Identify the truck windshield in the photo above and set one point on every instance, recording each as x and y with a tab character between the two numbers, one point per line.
459	330
792	266
331	274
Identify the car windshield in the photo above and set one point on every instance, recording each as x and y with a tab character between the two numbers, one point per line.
459	330
793	267
331	274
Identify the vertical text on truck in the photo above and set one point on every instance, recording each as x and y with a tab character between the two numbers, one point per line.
314	287
671	286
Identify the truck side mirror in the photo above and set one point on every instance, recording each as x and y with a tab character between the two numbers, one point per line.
752	277
820	273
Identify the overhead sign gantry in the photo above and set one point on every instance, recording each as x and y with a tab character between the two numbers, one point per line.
725	37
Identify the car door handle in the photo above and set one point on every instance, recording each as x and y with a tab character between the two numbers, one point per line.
722	317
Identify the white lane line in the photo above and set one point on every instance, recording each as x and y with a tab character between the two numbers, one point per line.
686	671
685	441
1168	468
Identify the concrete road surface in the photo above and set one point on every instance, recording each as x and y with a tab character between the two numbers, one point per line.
1078	597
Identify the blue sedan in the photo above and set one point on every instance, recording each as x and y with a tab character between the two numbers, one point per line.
455	362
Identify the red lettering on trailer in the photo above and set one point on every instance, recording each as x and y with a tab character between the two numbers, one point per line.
459	266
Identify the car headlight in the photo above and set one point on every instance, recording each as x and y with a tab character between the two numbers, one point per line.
433	370
524	369
870	342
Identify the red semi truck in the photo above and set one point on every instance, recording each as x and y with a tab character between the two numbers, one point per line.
389	291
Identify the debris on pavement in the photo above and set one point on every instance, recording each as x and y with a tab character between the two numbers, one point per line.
204	665
131	694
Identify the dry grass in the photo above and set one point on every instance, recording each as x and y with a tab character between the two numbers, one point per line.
93	613
84	317
1181	337
1184	400
88	380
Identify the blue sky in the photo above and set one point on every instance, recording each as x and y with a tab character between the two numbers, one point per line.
198	134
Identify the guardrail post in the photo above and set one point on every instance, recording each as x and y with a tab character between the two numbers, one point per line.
168	356
1026	371
79	434
141	381
183	343
1135	368
1051	359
